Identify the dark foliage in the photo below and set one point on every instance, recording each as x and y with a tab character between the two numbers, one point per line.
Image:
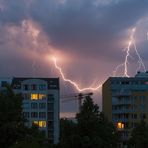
91	130
139	136
13	133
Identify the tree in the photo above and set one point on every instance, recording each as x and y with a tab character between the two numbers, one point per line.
91	130
10	117
139	136
94	128
69	137
88	118
13	133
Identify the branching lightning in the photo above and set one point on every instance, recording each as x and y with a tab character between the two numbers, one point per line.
127	56
72	82
128	49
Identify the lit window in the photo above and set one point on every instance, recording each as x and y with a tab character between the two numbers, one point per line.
120	125
35	123
42	96
34	96
38	96
40	123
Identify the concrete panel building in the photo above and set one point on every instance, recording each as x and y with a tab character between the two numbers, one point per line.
125	102
40	103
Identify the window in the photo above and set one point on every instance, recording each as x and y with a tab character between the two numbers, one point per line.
26	96
50	125
42	114
26	114
120	125
42	87
34	96
3	83
35	123
143	107
50	97
134	116
50	106
26	105
42	105
143	99
40	123
143	116
34	114
34	105
50	115
50	135
26	87
42	96
38	96
34	87
133	124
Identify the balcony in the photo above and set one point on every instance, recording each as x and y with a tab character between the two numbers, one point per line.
122	111
121	94
116	120
122	102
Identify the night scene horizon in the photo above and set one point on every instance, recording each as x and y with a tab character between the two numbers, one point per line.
83	42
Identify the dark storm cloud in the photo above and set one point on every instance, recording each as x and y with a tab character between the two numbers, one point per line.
94	31
79	26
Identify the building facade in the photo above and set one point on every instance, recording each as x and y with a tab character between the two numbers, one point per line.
40	103
125	102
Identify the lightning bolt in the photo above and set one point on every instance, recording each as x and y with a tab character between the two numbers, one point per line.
127	56
72	82
131	42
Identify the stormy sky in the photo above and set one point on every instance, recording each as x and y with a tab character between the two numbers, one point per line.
87	36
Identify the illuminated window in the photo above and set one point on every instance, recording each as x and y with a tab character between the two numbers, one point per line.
120	125
40	123
38	96
42	96
35	123
34	96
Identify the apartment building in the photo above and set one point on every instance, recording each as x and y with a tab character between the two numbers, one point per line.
40	103
125	102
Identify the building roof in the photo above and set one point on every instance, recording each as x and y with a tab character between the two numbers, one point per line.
50	81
